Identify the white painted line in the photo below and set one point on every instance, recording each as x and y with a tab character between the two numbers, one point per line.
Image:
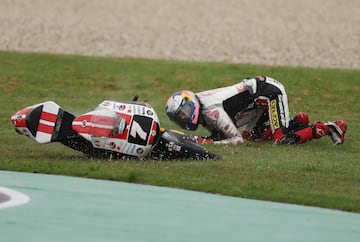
16	198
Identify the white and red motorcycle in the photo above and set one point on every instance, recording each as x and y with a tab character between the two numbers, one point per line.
114	130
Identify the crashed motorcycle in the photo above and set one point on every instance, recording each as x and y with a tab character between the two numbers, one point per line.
114	130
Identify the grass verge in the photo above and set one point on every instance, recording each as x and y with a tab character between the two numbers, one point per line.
316	173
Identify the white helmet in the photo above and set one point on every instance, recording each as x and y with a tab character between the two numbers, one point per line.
183	108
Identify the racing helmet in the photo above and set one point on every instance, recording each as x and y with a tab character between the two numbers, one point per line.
183	108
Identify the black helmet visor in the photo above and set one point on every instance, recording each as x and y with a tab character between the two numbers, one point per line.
183	115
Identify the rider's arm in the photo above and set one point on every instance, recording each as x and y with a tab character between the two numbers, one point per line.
208	140
231	133
217	119
236	140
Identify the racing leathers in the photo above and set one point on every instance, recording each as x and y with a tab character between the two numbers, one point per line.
260	106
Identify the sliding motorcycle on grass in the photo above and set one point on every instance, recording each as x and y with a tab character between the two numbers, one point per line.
113	130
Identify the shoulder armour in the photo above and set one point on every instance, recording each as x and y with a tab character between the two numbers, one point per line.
251	85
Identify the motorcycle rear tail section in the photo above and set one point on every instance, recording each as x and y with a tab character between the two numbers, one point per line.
44	122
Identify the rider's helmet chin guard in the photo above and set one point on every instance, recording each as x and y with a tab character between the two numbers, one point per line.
183	108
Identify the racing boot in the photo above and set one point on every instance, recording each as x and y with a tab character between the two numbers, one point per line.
337	130
319	129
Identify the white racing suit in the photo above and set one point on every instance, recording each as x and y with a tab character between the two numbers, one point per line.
259	105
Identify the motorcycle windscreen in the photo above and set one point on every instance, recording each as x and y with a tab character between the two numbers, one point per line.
100	123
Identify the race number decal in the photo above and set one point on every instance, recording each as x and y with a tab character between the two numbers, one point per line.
140	130
136	130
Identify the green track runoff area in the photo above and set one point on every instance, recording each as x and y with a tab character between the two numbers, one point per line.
316	174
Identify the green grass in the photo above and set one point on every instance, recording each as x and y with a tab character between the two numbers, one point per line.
315	173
